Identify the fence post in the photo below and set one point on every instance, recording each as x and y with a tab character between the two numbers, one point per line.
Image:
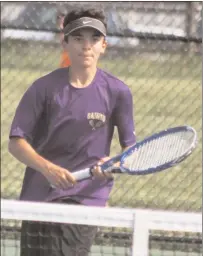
140	245
191	24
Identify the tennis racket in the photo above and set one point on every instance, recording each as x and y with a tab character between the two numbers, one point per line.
154	154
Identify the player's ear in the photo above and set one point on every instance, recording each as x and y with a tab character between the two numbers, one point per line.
104	45
65	43
65	39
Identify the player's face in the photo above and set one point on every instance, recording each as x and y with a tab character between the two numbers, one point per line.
85	46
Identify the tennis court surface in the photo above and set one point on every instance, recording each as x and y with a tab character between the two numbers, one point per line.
121	232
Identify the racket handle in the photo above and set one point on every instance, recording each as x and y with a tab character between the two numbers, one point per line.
83	174
86	173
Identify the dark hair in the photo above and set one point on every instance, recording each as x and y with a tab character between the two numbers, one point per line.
91	13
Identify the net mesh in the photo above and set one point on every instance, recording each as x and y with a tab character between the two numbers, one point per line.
122	232
160	150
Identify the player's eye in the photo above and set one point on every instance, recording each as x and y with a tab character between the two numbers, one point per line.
77	38
96	38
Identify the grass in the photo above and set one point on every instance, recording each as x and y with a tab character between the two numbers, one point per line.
166	90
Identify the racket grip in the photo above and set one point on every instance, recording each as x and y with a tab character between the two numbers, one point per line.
82	175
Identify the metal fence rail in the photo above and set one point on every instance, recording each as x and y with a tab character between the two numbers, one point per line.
155	49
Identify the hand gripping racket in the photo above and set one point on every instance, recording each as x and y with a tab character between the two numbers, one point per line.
154	154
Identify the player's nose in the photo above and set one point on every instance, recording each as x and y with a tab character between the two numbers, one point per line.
87	44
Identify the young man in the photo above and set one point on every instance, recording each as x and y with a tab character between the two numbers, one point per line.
65	122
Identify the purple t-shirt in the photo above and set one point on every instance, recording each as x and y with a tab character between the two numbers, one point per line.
73	128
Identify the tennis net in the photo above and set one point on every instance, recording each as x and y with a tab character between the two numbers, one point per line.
121	232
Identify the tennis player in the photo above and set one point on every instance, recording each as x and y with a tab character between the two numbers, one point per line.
63	123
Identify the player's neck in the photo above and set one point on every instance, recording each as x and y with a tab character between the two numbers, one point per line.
80	77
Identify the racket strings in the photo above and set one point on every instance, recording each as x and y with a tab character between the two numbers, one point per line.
160	151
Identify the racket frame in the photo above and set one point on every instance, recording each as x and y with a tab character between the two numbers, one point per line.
108	165
163	166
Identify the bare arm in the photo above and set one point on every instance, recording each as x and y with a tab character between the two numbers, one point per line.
23	152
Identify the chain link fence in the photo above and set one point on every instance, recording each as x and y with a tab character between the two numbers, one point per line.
154	47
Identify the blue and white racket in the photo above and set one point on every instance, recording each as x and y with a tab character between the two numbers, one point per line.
154	154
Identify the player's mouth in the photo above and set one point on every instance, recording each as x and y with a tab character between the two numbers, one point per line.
87	56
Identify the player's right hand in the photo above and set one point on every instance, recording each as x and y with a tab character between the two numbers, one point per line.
58	177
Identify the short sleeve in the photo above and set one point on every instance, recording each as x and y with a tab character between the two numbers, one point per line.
123	118
28	113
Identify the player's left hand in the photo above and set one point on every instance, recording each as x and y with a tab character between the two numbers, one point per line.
97	170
